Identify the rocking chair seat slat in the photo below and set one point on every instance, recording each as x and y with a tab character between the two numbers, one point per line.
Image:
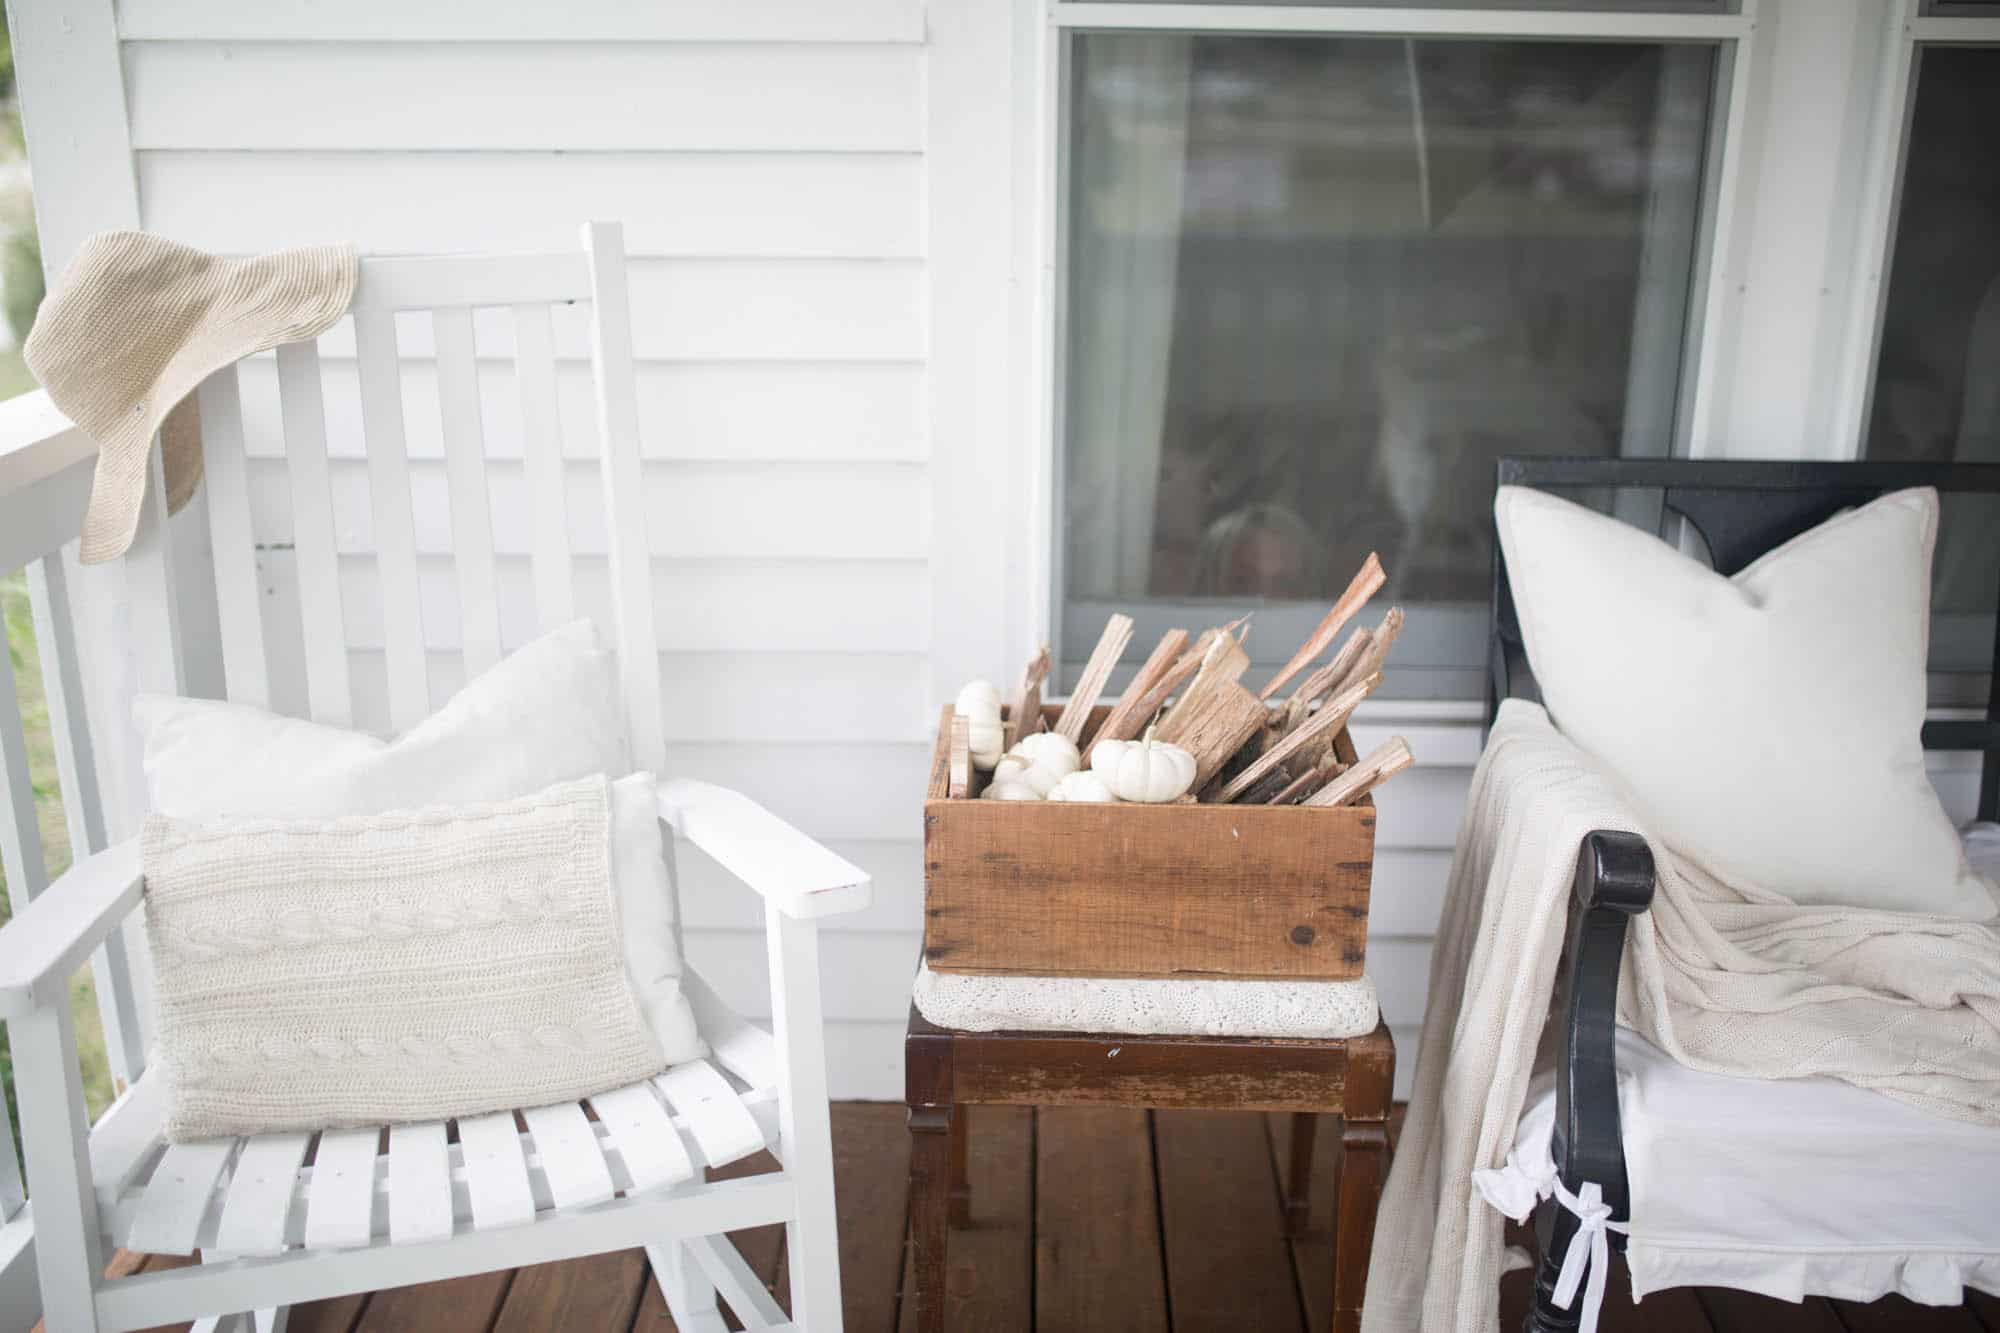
496	1171
260	1195
177	1197
644	1136
719	1122
570	1157
419	1183
341	1205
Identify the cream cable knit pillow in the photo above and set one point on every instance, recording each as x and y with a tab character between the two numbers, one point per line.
548	713
412	965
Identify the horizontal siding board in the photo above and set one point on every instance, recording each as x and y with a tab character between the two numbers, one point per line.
711	511
723	309
846	791
784	411
524	21
457	94
675	204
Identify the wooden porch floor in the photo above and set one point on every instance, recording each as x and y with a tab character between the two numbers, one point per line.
1082	1219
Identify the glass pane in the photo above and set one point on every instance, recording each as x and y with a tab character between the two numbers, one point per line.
1937	376
1315	286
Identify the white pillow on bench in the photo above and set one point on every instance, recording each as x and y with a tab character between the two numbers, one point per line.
548	713
1767	725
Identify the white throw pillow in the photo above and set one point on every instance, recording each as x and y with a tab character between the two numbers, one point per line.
546	714
1767	724
370	969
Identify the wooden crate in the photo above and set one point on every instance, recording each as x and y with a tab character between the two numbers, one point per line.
1053	888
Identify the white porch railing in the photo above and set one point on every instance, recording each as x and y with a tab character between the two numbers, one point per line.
45	469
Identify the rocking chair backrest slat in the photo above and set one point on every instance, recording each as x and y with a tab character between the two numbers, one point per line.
465	475
541	443
317	562
380	383
454	311
233	546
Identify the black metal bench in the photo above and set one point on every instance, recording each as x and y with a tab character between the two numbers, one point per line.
1741	510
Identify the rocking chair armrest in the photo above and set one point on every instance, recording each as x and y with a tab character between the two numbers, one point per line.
788	870
53	936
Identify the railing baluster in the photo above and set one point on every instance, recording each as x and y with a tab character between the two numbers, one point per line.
83	811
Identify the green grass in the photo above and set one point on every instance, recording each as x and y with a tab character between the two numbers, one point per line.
15	614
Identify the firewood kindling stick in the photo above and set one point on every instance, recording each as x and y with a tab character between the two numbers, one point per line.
1380	764
1367	582
1125	720
1214	715
1103	659
1328	767
961	758
1384	639
1325	679
1025	717
1332	715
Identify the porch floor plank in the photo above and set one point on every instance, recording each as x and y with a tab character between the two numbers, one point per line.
1081	1219
1222	1223
1097	1222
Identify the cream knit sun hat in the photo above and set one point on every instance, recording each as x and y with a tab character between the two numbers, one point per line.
135	322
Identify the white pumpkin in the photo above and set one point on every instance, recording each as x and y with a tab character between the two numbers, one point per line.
1147	770
1041	760
1083	785
1009	791
979	704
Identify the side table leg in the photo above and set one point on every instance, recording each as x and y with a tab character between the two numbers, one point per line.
1299	1175
961	1185
930	1189
1364	1152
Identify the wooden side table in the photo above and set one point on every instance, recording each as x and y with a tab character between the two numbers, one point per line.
945	1070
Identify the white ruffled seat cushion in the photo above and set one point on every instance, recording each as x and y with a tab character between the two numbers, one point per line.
1791	1188
1192	1007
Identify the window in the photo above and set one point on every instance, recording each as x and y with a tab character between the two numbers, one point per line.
1937	369
1313	286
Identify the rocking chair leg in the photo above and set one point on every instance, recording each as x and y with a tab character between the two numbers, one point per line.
1555	1232
690	1295
1298	1182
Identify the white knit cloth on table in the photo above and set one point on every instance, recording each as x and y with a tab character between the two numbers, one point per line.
368	969
1727	979
1179	1007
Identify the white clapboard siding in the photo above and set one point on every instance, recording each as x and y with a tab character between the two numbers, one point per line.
527	21
768	163
624	95
786	411
866	205
717	511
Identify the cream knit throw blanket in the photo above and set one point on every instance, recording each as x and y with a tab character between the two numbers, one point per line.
368	969
1729	980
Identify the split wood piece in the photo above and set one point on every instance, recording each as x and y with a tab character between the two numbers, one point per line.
1272	783
1126	718
1366	584
1328	768
1025	718
1383	762
1096	673
1212	721
1323	724
961	758
1325	680
1384	639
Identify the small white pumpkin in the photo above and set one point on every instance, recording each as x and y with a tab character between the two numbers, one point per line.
1041	760
1083	785
1147	770
979	704
1009	791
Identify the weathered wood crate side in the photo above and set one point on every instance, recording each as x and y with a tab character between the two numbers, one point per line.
1061	889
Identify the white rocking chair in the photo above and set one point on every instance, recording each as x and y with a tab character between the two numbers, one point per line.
287	1218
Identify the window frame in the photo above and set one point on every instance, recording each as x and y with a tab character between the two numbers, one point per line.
1070	627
